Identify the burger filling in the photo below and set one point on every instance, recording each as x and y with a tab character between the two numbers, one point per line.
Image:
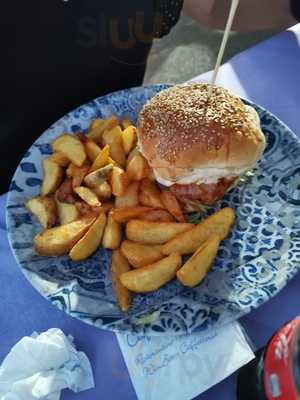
206	193
205	186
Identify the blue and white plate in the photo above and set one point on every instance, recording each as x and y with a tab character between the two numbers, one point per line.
261	255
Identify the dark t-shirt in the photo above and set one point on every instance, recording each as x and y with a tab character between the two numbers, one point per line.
295	6
56	55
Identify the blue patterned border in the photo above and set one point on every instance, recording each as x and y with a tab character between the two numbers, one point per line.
253	264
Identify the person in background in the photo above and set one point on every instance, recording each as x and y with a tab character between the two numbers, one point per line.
59	54
251	15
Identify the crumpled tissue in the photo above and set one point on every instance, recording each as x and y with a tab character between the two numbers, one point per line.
41	365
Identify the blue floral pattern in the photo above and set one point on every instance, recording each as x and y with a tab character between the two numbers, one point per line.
258	258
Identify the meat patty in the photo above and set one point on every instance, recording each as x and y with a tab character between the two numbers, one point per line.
206	193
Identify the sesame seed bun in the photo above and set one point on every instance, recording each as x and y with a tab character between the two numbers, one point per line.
181	131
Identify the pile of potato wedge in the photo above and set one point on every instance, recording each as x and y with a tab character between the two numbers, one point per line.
99	191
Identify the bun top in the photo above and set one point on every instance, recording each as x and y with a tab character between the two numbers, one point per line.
182	130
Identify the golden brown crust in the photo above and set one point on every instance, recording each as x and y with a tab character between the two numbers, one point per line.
180	129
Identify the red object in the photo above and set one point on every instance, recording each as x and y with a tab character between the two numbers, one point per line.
279	380
206	193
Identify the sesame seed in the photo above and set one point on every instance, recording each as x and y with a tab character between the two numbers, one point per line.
183	115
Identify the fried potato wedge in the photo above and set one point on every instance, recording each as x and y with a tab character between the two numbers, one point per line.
95	123
157	216
88	196
126	123
113	139
99	126
71	147
134	152
111	134
129	138
125	214
53	175
92	150
103	191
90	242
112	234
101	160
86	210
117	152
113	162
65	192
59	158
137	168
148	232
66	212
80	175
44	208
60	240
99	176
197	266
119	265
119	181
150	194
153	276
186	243
130	198
109	205
139	255
70	171
171	204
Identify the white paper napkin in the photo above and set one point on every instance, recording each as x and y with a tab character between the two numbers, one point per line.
40	366
182	367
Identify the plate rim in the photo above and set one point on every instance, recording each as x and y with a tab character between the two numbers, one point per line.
133	89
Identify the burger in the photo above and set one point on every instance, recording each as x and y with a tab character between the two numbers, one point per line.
200	139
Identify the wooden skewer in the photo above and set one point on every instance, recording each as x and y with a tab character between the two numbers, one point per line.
233	8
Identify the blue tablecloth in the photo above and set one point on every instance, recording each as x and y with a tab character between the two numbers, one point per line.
268	74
